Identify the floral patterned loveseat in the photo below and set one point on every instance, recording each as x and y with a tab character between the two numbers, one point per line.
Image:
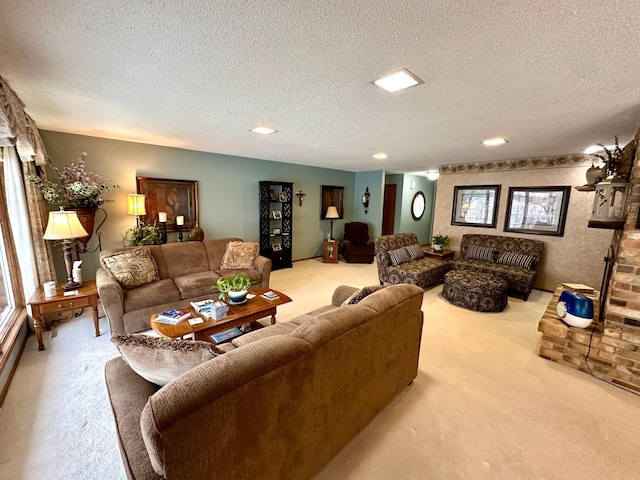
514	259
423	272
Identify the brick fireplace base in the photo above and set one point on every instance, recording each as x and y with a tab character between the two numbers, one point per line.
615	351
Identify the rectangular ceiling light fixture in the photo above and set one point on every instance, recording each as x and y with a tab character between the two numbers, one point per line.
263	130
398	81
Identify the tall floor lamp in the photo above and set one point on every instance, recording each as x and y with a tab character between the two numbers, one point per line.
332	213
65	226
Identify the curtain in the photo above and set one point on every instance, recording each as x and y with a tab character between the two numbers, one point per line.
22	150
15	278
26	235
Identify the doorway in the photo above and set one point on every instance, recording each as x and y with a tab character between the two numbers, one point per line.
389	208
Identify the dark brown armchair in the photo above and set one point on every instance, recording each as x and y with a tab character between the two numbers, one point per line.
357	246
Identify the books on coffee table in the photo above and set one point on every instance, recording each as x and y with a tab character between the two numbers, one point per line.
226	335
173	316
269	295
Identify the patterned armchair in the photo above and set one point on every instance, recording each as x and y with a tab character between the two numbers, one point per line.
357	246
423	272
512	258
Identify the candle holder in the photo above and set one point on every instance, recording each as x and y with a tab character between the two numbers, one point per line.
180	237
163	232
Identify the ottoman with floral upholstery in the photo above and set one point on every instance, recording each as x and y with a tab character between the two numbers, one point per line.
481	292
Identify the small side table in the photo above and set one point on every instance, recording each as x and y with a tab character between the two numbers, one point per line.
330	252
87	296
439	254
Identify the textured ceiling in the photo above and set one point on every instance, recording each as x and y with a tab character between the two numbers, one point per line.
552	77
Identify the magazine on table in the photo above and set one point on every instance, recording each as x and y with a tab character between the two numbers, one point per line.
173	316
226	335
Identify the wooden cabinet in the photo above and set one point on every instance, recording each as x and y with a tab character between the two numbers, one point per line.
276	222
330	252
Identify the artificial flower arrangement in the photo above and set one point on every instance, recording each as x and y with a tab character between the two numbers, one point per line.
77	188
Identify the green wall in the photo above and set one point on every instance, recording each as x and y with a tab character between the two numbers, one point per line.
375	182
408	186
227	190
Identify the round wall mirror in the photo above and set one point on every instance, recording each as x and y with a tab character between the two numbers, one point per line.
417	206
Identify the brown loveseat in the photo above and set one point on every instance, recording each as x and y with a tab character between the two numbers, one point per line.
187	271
423	272
282	403
513	259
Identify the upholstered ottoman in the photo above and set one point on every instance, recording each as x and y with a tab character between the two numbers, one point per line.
477	291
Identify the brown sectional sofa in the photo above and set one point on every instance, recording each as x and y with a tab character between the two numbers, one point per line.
424	272
187	272
519	279
279	405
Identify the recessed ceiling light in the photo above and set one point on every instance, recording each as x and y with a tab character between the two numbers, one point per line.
380	155
398	81
433	175
491	142
263	130
598	148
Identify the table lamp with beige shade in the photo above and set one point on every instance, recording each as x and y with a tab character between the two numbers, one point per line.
332	214
65	226
135	206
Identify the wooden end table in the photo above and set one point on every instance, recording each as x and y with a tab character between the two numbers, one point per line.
87	296
330	252
439	254
254	309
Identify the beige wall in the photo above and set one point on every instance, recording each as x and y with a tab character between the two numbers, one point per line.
575	257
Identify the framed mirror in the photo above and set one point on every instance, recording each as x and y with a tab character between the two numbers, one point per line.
418	205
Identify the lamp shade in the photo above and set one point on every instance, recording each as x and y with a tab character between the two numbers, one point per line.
135	204
332	212
64	225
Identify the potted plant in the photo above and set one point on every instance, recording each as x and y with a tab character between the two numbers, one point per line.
235	288
143	235
438	242
77	188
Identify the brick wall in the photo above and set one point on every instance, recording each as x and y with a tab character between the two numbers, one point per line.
615	351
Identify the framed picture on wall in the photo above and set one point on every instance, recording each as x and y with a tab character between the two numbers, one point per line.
175	197
537	210
331	196
475	206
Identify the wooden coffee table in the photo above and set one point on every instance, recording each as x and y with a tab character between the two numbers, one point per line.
254	309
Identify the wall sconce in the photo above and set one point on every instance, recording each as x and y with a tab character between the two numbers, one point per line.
300	196
365	200
135	206
65	226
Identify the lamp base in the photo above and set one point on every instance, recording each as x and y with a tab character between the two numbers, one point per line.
71	285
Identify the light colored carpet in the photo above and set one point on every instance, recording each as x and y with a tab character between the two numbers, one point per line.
484	404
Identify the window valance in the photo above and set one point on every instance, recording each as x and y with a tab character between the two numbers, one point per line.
17	129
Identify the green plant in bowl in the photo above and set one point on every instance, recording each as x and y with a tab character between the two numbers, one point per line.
438	242
234	287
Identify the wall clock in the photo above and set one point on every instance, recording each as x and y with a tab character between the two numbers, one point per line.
417	206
